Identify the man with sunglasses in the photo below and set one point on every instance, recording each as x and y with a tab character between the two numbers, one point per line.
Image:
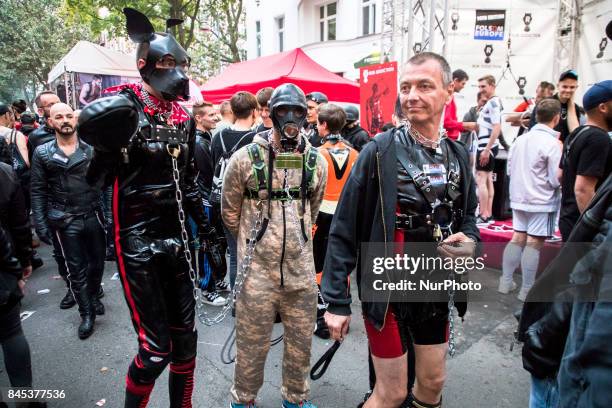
313	100
144	144
271	196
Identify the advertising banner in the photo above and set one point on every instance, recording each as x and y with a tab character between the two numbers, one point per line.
377	93
490	25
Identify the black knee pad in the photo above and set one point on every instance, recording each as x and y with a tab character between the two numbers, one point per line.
184	345
148	366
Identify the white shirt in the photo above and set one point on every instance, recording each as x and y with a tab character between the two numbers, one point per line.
489	115
533	160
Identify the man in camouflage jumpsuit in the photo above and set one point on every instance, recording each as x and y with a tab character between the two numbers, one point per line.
281	277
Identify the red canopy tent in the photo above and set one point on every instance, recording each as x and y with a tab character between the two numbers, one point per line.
291	66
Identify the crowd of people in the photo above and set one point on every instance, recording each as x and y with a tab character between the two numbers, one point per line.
292	188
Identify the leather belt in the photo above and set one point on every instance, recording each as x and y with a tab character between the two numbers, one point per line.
412	221
75	210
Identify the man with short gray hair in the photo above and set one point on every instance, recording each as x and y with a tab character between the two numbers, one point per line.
383	201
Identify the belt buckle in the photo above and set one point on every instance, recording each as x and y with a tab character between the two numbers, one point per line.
405	221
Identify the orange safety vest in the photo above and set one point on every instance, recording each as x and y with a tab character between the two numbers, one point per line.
340	159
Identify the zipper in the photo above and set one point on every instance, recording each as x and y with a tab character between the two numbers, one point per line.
382	211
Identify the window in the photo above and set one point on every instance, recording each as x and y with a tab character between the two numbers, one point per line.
280	29
369	16
258	37
327	21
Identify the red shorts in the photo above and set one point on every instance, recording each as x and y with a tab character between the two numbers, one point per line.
393	340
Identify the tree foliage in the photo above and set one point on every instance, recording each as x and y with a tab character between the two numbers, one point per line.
157	11
212	32
34	36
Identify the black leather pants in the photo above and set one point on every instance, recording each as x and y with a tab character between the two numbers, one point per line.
82	244
159	294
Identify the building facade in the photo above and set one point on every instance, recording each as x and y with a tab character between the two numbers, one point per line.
340	34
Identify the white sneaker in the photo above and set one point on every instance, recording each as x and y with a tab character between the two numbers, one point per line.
213	299
523	294
506	287
222	286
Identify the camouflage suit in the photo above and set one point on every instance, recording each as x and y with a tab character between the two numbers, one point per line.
263	295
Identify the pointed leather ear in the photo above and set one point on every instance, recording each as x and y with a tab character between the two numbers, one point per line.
171	22
139	27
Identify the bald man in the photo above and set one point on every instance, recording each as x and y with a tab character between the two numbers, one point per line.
67	212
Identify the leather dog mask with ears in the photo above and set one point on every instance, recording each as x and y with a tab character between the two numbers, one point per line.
171	83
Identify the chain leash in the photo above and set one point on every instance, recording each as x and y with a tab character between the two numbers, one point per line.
243	271
174	153
451	320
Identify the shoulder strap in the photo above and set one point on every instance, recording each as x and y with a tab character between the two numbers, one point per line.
258	165
570	142
452	187
310	165
238	142
222	142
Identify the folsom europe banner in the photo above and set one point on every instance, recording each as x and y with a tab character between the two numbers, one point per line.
377	93
490	25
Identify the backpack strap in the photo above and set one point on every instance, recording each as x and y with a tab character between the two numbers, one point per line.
569	143
222	142
233	150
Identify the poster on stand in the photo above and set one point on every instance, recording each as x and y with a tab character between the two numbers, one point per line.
377	94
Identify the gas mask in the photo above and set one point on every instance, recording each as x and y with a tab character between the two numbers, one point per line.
288	113
171	82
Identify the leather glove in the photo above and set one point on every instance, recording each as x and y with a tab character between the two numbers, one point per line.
108	123
209	242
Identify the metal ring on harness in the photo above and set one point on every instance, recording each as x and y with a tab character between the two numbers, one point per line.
324	362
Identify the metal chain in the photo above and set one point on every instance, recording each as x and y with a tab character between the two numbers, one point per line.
174	153
242	272
420	139
451	319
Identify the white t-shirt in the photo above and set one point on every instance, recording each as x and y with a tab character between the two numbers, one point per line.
489	115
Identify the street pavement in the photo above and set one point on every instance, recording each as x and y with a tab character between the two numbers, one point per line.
483	373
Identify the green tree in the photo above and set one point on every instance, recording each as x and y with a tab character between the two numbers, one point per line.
158	11
211	33
34	36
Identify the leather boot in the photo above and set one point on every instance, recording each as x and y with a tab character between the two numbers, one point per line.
86	328
87	312
98	306
137	395
180	383
68	301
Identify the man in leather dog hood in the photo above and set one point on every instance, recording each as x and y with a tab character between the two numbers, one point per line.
144	144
